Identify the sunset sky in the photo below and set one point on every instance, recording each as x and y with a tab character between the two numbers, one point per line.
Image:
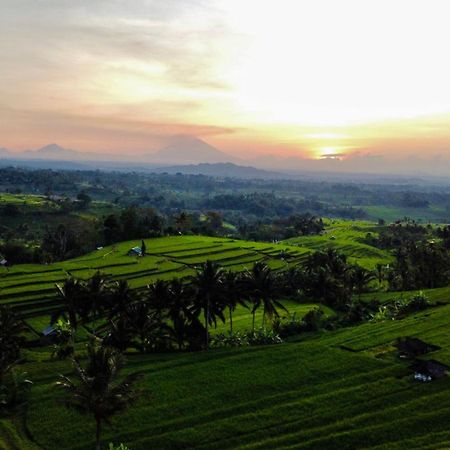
288	77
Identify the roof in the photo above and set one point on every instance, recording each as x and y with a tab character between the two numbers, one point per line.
136	250
411	346
430	367
48	330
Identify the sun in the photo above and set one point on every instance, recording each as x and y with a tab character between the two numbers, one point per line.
329	152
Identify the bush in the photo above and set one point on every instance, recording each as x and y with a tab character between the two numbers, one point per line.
418	302
118	447
264	337
288	327
14	390
261	337
314	320
399	308
229	340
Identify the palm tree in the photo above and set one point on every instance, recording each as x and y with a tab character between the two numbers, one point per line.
97	390
73	297
263	288
120	299
233	294
380	272
209	293
180	311
11	327
361	278
97	291
159	296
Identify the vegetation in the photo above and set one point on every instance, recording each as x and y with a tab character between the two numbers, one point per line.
300	315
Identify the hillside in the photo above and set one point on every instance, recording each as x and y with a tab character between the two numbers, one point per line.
30	288
308	394
343	388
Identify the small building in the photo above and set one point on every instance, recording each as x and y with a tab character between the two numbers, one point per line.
409	347
135	251
3	262
48	331
429	370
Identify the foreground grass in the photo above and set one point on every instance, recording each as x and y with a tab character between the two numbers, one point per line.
308	394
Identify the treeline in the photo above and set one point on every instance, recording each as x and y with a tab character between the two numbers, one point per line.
178	314
421	254
77	236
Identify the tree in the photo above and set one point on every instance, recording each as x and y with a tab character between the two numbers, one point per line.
380	272
97	292
180	311
208	288
233	294
120	297
263	288
11	327
84	199
143	248
72	294
97	390
361	278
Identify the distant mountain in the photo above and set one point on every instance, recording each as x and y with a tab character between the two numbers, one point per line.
190	150
52	151
229	170
5	153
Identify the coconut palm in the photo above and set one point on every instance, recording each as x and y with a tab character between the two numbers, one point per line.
361	278
97	390
180	311
11	327
233	294
97	291
263	289
72	294
158	296
208	286
120	297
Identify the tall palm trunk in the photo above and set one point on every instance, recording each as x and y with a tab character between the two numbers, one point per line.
253	320
97	433
231	321
207	321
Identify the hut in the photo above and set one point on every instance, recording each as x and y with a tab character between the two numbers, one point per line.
135	251
410	347
429	370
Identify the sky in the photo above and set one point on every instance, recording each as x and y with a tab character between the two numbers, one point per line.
358	80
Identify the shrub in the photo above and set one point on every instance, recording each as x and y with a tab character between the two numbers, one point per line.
418	302
14	389
264	337
230	340
118	447
290	326
314	320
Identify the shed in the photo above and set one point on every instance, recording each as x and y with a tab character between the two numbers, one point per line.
135	251
410	347
429	370
48	331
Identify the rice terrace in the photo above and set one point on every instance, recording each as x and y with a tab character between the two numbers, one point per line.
224	225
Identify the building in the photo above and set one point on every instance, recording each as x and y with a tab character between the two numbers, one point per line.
135	251
409	347
429	370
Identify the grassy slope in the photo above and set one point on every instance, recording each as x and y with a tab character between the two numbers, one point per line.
342	389
30	288
38	212
308	394
347	237
434	213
